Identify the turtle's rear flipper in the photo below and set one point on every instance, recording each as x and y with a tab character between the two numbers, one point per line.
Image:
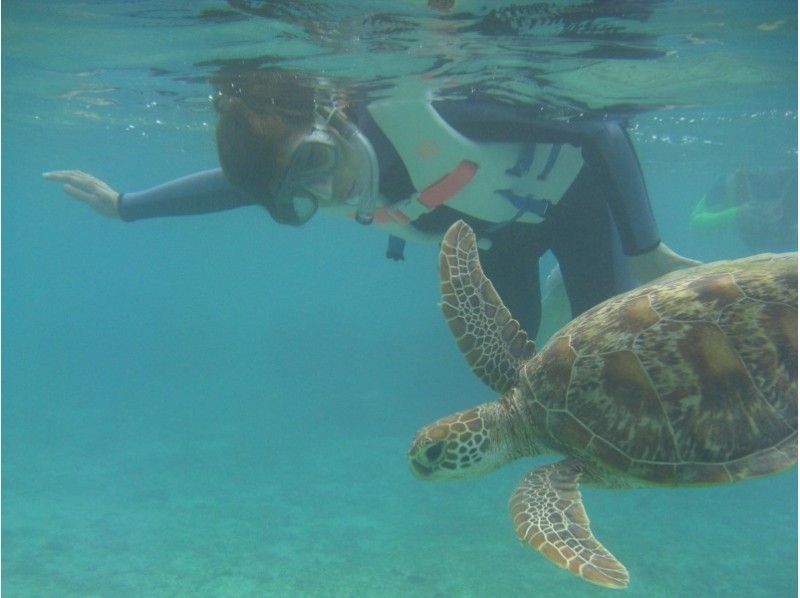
548	514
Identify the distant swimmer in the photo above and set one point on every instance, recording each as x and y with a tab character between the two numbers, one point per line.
761	205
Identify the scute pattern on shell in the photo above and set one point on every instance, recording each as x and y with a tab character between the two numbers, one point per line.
691	379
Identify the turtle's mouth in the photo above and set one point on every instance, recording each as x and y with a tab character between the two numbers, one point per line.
420	470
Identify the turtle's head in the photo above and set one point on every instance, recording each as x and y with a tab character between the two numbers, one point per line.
463	445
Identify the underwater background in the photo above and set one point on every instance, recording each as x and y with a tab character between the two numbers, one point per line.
221	406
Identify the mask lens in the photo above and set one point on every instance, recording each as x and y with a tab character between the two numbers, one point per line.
312	159
307	181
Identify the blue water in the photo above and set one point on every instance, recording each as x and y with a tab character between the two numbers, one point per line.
220	406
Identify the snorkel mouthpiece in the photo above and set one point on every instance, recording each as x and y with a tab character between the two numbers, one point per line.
364	216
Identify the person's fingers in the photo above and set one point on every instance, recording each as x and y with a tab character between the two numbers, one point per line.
81	194
58	175
55	174
73	177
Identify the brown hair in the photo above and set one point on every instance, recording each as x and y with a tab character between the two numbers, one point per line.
259	113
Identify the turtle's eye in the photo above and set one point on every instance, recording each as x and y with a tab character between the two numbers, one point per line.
434	451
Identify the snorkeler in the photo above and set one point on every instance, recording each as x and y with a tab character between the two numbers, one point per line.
524	184
760	204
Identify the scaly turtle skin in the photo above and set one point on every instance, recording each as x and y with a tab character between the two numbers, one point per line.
689	380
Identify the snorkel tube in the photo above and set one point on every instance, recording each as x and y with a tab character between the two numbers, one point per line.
368	180
366	187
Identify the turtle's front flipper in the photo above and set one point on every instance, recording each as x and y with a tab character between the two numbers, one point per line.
491	340
548	514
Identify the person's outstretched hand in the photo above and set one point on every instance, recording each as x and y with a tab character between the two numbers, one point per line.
88	189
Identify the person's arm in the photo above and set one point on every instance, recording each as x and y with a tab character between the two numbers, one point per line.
609	149
198	193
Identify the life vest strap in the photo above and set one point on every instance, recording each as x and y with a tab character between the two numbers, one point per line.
390	214
525	203
524	161
447	186
555	149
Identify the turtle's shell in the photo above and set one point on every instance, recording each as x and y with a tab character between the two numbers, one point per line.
691	379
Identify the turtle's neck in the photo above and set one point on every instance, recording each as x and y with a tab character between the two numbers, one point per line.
512	416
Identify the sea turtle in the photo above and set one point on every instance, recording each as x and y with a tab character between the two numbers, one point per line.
689	380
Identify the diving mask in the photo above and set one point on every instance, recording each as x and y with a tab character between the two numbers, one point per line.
308	180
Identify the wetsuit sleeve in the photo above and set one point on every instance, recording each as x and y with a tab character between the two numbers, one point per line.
198	193
608	148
